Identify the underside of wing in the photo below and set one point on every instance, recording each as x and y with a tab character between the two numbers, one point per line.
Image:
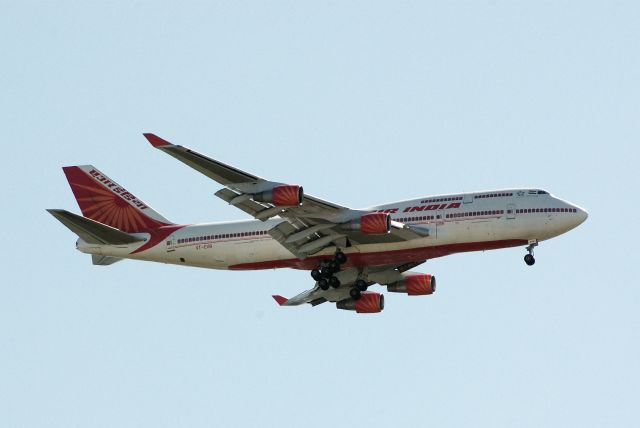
350	292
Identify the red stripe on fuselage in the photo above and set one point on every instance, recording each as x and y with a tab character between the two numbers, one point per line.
385	257
158	235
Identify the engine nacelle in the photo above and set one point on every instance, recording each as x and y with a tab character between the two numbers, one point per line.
368	303
282	196
371	224
414	285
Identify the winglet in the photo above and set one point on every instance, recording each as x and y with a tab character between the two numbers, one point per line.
281	300
155	140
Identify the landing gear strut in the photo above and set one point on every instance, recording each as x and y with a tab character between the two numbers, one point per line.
529	259
325	273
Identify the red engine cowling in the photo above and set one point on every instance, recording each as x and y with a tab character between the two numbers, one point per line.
368	303
282	196
414	285
371	224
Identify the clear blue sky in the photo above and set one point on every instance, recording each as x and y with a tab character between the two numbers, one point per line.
362	103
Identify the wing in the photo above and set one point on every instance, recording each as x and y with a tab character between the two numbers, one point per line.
312	223
385	275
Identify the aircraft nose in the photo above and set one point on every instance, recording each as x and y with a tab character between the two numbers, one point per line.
581	215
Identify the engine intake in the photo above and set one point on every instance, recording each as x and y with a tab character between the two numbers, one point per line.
371	224
414	285
368	303
282	196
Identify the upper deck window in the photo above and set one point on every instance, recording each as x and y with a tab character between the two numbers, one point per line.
493	195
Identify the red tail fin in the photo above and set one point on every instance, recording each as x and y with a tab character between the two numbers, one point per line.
102	199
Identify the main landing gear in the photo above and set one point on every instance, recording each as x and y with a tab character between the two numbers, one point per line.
356	291
324	274
529	259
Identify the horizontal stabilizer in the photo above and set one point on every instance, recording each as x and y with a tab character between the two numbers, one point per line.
91	231
104	260
279	299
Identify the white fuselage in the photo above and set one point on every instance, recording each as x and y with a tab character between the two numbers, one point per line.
456	223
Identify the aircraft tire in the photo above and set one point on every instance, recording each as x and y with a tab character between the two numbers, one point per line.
323	284
315	274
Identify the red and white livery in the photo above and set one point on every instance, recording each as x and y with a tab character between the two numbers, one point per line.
346	250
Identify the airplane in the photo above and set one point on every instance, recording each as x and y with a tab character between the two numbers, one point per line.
346	250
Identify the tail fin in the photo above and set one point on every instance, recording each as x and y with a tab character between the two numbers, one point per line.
103	200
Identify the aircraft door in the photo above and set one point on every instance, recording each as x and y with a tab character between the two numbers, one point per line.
511	211
439	222
171	243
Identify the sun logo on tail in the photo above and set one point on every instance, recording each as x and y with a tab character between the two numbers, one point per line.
105	201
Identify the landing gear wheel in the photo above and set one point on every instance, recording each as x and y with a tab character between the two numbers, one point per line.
315	274
355	293
334	266
528	259
334	282
326	272
361	285
341	258
323	284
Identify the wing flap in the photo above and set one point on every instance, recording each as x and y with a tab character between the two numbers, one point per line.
249	206
302	240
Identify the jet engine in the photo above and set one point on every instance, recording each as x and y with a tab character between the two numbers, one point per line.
414	285
368	303
371	224
285	195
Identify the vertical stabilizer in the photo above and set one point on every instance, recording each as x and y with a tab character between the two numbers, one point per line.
103	200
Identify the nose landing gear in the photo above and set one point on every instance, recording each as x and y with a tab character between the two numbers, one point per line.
529	259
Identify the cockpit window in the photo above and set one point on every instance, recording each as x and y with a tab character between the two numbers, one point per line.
542	192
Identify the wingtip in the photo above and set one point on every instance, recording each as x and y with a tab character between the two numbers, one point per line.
155	140
279	299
